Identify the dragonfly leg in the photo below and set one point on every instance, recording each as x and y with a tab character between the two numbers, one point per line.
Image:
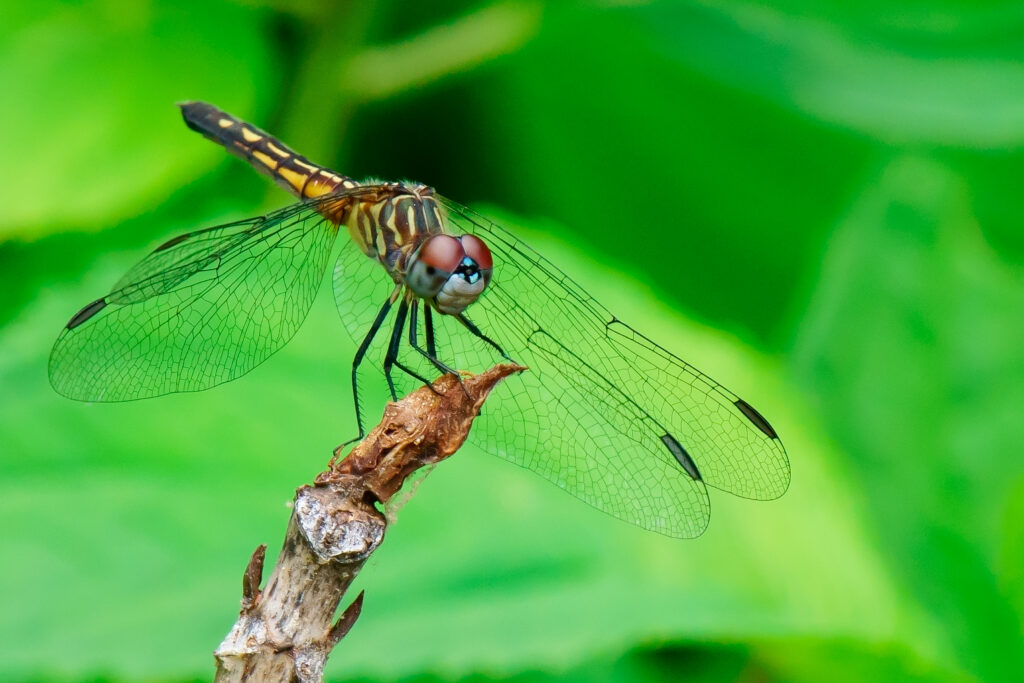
360	353
430	353
468	324
391	359
428	321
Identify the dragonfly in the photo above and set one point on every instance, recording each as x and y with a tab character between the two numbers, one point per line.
603	412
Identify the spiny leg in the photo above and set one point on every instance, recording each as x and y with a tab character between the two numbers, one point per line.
480	335
468	324
360	353
430	355
414	341
391	359
428	322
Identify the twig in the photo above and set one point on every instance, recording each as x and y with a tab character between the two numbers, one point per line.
284	632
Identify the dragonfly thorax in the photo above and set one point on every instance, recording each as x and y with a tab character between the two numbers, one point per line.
391	220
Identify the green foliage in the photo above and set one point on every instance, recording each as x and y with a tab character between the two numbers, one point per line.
830	190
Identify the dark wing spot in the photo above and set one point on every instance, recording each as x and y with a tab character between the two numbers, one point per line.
171	242
87	312
682	456
756	418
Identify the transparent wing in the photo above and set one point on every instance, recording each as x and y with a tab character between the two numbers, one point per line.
200	310
603	412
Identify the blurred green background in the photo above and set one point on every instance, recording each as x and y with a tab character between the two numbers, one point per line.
817	203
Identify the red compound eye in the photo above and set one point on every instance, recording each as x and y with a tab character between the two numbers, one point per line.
442	252
477	250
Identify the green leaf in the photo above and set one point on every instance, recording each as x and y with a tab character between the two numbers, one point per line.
894	73
95	133
912	347
719	197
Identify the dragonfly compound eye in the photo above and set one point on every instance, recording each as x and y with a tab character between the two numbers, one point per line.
433	264
480	254
477	250
469	278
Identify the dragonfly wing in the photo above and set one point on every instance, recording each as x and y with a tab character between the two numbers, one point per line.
656	426
734	446
562	420
563	426
202	309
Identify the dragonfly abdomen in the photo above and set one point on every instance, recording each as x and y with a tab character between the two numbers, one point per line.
267	154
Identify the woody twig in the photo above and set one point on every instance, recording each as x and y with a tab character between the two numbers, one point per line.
286	631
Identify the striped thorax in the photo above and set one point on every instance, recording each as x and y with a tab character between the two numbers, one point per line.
391	221
403	228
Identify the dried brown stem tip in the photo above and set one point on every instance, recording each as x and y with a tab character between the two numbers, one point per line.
285	632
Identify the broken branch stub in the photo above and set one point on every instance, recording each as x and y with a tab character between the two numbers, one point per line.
285	632
423	428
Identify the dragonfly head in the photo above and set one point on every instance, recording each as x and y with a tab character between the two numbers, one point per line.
451	272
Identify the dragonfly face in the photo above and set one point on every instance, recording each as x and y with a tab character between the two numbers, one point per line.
450	272
603	412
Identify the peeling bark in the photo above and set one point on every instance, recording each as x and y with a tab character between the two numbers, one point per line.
285	631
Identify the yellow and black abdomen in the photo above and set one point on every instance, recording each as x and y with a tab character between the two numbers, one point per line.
267	154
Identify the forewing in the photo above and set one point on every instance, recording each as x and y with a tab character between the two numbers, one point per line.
202	309
683	428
